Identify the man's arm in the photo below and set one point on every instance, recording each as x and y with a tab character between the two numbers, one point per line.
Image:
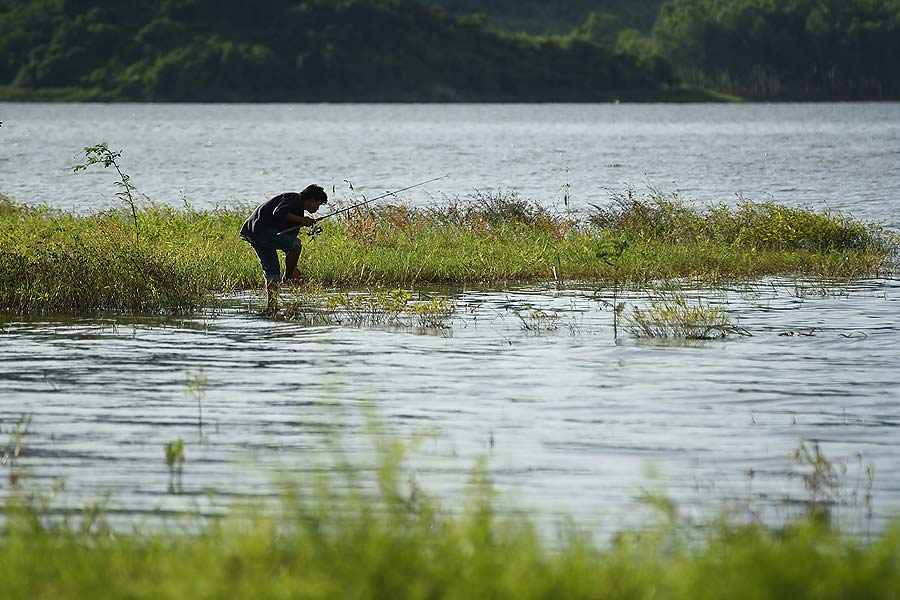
301	220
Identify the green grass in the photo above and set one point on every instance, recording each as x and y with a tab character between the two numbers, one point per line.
314	305
396	542
673	316
52	261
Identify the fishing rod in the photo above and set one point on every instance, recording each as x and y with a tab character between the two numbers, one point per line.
317	230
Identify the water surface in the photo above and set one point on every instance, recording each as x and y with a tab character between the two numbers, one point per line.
840	156
571	420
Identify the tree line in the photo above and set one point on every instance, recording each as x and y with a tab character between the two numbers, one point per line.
784	49
374	50
299	50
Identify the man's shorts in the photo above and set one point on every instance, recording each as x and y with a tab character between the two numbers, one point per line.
266	243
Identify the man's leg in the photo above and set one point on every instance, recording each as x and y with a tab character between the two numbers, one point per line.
290	261
268	258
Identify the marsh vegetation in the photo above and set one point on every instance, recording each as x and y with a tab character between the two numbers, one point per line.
674	316
338	536
315	305
58	262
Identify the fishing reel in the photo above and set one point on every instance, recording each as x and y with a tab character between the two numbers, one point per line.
314	231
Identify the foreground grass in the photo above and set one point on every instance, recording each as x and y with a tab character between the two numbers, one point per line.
395	542
58	262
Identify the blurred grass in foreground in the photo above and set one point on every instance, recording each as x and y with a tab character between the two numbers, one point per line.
340	538
52	261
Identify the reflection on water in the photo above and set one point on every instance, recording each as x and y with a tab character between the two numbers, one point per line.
569	418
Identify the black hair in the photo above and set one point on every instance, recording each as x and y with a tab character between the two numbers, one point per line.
316	193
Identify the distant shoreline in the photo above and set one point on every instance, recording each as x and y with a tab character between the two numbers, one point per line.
681	95
672	95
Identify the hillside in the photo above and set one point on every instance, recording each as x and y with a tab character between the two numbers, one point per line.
301	51
556	16
798	50
415	50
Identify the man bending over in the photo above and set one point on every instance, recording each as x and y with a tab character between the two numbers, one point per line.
263	230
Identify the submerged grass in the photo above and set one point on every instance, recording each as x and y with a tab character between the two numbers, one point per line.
314	305
674	316
339	539
52	261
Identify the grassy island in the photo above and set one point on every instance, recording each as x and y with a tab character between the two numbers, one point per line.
166	259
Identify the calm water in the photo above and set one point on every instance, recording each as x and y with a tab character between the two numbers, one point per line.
571	420
843	156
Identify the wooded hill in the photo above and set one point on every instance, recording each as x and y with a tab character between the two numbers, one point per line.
786	49
436	50
301	50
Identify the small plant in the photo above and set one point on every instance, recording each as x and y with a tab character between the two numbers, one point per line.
675	318
196	388
175	462
537	320
432	314
101	154
15	447
380	307
828	484
610	252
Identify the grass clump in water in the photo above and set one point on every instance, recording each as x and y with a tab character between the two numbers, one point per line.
346	540
394	307
52	261
674	317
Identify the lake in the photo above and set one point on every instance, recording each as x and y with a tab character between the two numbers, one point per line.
570	420
839	156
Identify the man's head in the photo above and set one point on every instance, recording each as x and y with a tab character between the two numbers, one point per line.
313	197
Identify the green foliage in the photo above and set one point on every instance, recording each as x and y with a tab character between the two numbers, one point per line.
536	320
196	388
58	262
751	226
314	305
448	49
102	155
830	486
175	462
15	447
175	454
337	537
291	50
799	49
555	16
673	316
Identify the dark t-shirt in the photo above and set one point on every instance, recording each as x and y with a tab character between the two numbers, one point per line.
272	214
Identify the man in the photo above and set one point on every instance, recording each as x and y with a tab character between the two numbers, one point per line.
265	231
